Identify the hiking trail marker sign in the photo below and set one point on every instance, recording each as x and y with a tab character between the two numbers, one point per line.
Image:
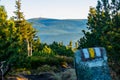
91	64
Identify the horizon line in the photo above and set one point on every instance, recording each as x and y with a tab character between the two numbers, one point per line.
53	18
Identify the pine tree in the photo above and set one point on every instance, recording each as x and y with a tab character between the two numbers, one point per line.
76	45
70	45
104	29
7	32
25	30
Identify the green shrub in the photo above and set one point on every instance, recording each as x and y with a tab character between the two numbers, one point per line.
43	54
37	61
47	68
68	60
20	71
61	49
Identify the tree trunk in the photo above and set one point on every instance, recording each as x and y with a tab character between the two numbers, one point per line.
29	48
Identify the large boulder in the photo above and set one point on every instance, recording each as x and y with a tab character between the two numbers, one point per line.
91	64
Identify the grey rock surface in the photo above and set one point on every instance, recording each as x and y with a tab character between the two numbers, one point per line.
91	64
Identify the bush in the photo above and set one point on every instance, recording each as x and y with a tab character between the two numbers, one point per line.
20	71
60	49
68	60
37	61
47	68
43	54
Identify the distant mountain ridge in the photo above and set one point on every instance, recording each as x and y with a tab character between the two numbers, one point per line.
59	30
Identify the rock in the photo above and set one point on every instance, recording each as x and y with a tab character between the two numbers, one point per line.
20	78
42	76
91	64
69	74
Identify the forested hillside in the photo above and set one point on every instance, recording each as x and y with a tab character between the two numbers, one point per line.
59	30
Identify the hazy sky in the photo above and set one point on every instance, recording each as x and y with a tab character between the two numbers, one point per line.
61	9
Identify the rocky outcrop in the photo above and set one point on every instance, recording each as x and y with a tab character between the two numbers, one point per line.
67	74
4	68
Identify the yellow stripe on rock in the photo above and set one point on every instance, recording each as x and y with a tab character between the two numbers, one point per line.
91	52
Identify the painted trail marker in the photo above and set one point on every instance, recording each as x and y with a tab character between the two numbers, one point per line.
91	64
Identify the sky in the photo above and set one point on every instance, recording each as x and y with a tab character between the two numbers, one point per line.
58	9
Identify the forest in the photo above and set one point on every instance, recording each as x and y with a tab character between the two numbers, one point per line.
23	51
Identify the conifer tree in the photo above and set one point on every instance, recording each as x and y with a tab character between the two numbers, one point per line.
25	30
70	45
104	26
7	32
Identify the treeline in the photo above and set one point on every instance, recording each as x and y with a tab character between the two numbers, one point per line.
104	30
20	47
